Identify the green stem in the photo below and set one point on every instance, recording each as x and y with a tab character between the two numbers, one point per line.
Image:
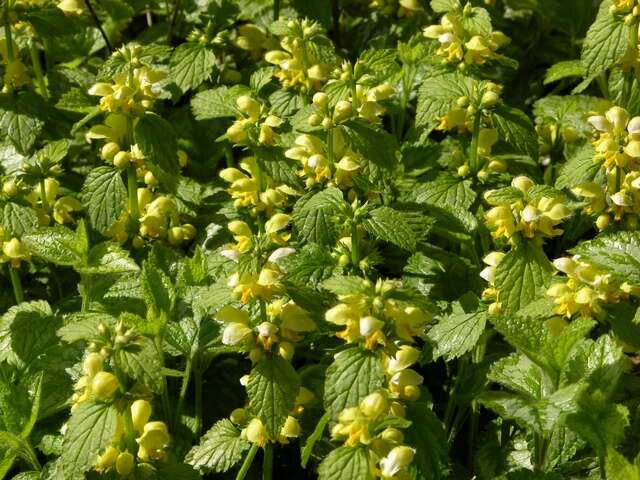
165	390
174	21
43	197
354	96
7	32
276	9
330	152
183	392
85	281
540	451
132	191
228	154
267	462
247	462
16	284
37	68
198	393
129	431
96	20
473	160
602	83
601	467
355	247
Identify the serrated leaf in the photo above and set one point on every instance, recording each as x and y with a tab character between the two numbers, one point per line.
157	141
141	362
217	103
477	21
606	42
281	169
617	467
447	189
272	389
18	219
437	96
286	102
345	462
521	274
26	331
617	254
354	374
456	334
108	257
312	216
427	435
84	326
20	120
345	285
376	66
219	449
191	64
562	70
307	450
56	244
443	6
516	129
104	195
312	265
159	294
89	430
391	226
579	168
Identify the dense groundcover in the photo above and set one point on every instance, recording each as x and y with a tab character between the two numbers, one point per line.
333	239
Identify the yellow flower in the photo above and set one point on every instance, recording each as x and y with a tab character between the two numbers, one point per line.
256	432
63	207
15	252
153	441
71	7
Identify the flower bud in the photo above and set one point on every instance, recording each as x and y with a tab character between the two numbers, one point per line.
109	150
286	350
175	235
602	221
107	459
92	364
314	119
248	106
327	123
320	99
522	183
374	404
140	414
342	110
256	432
489	99
125	463
150	179
104	385
397	459
238	416
291	428
122	159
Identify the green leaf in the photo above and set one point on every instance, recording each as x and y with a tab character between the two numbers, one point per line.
541	415
521	274
20	120
261	78
447	189
159	294
272	389
84	326
391	226
617	467
376	65
311	265
191	64
56	244
606	42
26	331
312	216
277	166
345	462
354	374
600	422
427	435
437	96
286	102
108	257
157	140
562	70
51	22
89	430
104	195
456	334
477	21
377	146
519	374
444	6
141	362
579	168
217	103
516	129
219	449
14	446
18	219
617	254
346	285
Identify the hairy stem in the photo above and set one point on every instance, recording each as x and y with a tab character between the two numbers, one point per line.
267	462
43	197
198	393
276	9
355	250
248	460
183	392
7	32
37	69
16	284
85	282
473	160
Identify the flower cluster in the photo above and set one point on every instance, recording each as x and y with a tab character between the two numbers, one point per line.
253	126
617	147
403	8
285	323
364	425
255	190
132	92
460	47
373	317
491	260
152	439
299	66
584	288
525	210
